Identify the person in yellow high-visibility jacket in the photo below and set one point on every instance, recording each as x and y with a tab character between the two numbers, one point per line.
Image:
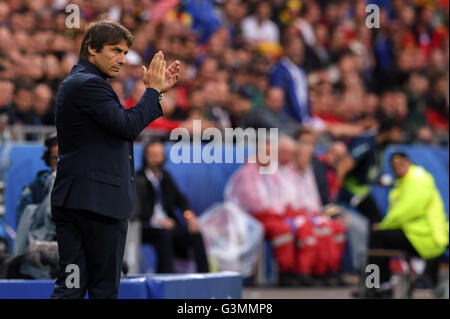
415	221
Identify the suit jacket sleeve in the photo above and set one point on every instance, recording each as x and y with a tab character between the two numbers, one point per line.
97	99
180	200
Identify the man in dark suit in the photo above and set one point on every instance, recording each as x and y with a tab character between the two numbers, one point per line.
157	197
94	190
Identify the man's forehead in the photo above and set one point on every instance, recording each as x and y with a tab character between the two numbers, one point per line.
122	44
397	159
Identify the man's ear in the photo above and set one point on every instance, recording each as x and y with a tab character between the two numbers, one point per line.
91	51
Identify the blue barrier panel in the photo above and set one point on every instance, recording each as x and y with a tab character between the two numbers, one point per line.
133	288
220	285
25	162
201	183
208	180
26	289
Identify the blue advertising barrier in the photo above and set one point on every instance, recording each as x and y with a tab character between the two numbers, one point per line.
134	288
202	183
221	285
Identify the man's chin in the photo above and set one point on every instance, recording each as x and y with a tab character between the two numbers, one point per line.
113	74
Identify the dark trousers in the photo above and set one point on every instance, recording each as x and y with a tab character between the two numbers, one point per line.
388	239
175	242
95	244
369	208
13	268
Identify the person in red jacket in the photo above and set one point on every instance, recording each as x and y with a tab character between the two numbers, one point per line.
324	257
265	197
287	203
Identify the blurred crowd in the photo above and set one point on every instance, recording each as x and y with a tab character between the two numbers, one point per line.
236	59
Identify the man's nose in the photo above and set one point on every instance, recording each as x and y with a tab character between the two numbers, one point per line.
122	59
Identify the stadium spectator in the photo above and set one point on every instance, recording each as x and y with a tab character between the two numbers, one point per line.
415	223
306	23
438	103
198	111
393	107
217	99
360	168
289	76
35	248
22	107
204	18
232	14
36	222
258	28
39	261
271	115
262	196
331	158
416	89
357	225
6	94
307	138
34	193
43	112
281	205
308	178
157	198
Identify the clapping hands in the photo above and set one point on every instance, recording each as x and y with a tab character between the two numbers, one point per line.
157	76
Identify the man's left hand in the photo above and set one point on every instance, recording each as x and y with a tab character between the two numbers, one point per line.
172	76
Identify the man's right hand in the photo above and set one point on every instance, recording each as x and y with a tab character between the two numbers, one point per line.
375	226
167	223
154	77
